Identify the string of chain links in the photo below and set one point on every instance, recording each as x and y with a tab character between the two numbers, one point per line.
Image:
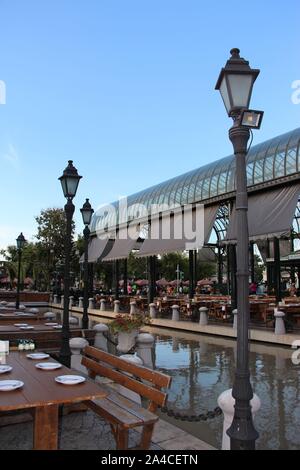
192	418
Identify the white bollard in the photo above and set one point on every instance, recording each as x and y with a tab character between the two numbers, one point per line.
91	303
62	300
49	315
100	341
153	312
116	306
34	310
175	312
102	305
226	403
145	343
203	316
76	346
71	301
235	319
133	309
125	391
279	323
80	303
55	299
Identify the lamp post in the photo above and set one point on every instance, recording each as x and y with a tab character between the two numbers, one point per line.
235	84
20	245
69	182
87	213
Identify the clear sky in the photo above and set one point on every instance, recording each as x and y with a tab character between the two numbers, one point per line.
125	88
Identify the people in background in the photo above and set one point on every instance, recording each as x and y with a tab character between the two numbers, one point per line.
252	288
293	290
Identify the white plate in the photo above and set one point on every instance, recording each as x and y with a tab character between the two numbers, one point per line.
21	324
58	327
38	356
27	327
7	385
48	365
51	324
69	379
4	368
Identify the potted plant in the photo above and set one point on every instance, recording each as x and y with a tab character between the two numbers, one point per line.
127	327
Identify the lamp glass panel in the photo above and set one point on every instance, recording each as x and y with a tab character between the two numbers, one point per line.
64	186
225	95
241	87
72	184
86	216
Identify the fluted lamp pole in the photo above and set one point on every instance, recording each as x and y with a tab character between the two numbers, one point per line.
69	182
20	245
87	213
235	84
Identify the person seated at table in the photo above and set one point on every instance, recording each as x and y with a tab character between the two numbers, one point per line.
293	290
252	288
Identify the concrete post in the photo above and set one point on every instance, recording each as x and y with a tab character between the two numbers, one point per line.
100	341
71	301
116	306
235	318
125	391
102	305
91	303
80	304
279	323
55	299
175	312
76	346
145	343
33	310
133	308
226	403
153	312
203	316
49	315
62	301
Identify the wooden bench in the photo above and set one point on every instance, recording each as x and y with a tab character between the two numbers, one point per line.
121	413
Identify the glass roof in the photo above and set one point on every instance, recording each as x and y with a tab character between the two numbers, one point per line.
275	158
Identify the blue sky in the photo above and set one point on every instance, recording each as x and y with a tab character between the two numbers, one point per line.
125	88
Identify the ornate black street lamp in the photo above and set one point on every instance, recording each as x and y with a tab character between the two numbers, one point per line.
69	182
20	245
235	84
87	213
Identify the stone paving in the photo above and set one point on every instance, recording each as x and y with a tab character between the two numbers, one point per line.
77	431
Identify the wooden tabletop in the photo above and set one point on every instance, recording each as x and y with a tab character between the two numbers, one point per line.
40	388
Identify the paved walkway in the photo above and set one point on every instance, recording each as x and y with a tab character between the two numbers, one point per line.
87	431
77	431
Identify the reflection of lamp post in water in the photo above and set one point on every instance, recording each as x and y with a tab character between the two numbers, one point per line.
178	275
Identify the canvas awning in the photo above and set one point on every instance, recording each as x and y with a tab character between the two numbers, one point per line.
270	214
98	248
124	243
176	232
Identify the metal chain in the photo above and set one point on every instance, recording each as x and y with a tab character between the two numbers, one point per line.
192	418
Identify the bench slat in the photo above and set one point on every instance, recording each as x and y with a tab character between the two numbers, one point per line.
113	413
154	377
144	390
131	407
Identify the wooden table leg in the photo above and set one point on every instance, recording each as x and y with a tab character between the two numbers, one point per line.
46	428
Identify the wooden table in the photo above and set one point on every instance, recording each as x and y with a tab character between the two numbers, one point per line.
43	395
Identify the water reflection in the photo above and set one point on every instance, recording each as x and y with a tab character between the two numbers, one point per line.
202	368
